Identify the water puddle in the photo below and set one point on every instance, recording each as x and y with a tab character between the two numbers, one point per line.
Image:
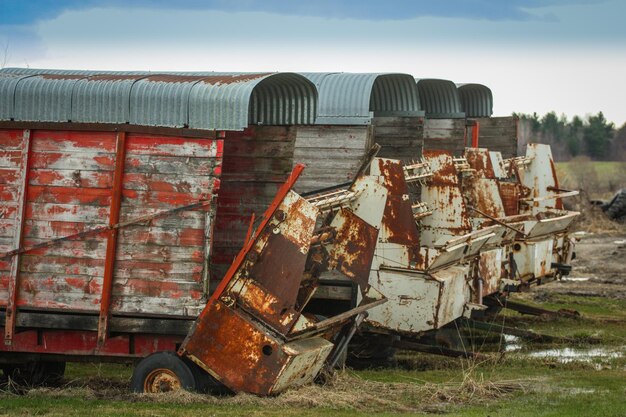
575	279
567	355
599	356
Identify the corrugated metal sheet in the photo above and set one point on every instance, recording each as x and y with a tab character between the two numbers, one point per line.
199	100
45	98
8	82
349	99
476	100
440	98
102	99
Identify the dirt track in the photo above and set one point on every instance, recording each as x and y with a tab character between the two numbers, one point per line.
598	270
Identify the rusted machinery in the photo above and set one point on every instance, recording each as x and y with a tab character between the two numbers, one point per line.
119	225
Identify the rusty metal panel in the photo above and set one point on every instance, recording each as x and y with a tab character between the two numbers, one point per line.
533	258
255	164
244	356
353	250
420	301
490	270
443	195
481	188
540	177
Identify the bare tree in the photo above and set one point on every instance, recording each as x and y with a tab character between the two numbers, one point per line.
4	54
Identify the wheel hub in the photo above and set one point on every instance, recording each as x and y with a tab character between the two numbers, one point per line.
161	380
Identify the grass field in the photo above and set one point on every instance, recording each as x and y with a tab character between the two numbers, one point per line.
509	384
598	179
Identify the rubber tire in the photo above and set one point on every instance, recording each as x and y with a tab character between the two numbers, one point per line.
36	373
616	208
166	360
205	383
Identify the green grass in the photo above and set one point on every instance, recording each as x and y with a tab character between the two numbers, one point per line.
599	179
546	387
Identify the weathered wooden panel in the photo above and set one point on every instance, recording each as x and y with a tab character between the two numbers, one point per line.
499	134
256	162
445	135
332	154
160	263
400	137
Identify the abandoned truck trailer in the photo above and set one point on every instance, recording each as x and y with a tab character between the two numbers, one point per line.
354	111
113	187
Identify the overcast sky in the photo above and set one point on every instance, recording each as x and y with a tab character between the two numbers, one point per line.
563	55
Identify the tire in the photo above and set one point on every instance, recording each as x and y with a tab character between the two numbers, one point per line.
36	373
205	383
162	372
616	208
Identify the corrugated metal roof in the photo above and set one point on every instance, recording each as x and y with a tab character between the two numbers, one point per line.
199	100
349	98
440	98
476	100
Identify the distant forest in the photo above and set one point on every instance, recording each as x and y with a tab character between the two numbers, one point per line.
592	136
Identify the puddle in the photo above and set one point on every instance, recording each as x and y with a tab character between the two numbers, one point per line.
567	355
512	343
598	356
575	279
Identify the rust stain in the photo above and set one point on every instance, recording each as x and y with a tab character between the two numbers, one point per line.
61	76
354	248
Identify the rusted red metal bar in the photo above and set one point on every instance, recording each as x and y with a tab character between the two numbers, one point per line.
280	195
13	288
111	248
475	133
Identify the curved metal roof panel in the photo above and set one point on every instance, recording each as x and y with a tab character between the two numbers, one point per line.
102	98
440	98
476	100
45	97
8	82
199	100
351	98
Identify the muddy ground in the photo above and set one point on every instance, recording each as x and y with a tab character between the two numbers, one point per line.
598	270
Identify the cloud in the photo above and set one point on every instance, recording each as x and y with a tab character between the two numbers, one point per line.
25	12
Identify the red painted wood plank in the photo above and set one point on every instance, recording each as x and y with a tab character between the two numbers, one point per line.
68	141
71	178
171	146
69	195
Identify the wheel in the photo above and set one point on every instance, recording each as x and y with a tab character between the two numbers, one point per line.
36	373
162	372
616	208
205	383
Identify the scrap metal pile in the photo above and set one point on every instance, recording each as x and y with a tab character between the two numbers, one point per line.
193	242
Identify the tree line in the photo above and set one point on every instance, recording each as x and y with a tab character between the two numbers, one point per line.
592	136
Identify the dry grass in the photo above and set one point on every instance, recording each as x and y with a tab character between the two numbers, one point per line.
345	391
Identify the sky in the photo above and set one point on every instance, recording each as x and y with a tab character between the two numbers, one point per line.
567	56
